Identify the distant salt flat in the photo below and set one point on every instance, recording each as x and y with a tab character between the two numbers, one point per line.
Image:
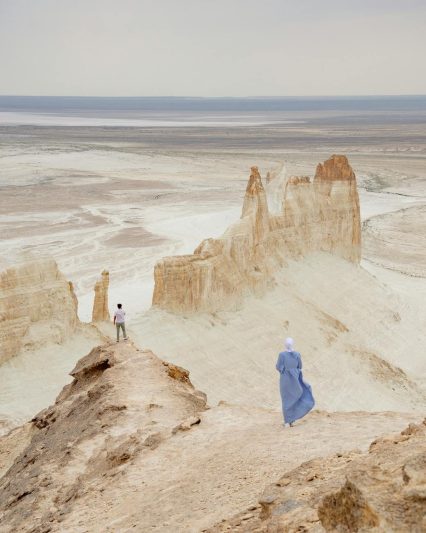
36	119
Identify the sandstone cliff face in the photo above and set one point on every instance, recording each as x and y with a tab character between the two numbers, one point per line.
382	491
100	310
37	304
322	215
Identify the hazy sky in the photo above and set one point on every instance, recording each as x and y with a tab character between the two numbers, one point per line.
212	47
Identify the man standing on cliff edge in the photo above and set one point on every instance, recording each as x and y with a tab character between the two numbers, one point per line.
119	321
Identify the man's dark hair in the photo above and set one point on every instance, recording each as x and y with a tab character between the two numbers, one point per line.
119	306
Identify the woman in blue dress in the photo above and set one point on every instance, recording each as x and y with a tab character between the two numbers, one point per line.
296	395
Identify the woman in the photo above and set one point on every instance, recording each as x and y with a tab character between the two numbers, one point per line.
296	395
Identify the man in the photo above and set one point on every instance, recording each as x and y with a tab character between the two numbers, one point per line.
119	321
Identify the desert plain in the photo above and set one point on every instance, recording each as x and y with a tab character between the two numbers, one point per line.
119	193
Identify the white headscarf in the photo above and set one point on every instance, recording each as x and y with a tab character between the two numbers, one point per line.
289	344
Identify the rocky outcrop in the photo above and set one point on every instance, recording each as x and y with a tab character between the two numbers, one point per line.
322	215
382	491
130	445
100	310
98	425
37	305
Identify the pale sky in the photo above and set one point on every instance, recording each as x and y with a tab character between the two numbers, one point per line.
212	47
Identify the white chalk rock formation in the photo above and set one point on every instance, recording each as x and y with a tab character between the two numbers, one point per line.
100	310
322	215
37	304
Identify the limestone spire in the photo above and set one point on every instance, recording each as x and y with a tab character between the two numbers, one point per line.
100	304
256	204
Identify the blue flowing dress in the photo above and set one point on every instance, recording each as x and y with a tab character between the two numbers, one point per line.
296	395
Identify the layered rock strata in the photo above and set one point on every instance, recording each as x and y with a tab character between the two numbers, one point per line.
100	310
318	215
324	214
37	304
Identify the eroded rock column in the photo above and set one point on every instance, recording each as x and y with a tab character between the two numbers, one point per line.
100	311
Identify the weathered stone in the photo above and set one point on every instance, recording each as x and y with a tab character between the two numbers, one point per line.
37	305
382	490
100	311
84	439
322	215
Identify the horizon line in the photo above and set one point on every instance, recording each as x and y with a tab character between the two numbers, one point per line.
411	95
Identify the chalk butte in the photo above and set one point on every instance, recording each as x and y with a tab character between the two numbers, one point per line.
100	310
37	304
129	444
322	215
367	356
383	490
